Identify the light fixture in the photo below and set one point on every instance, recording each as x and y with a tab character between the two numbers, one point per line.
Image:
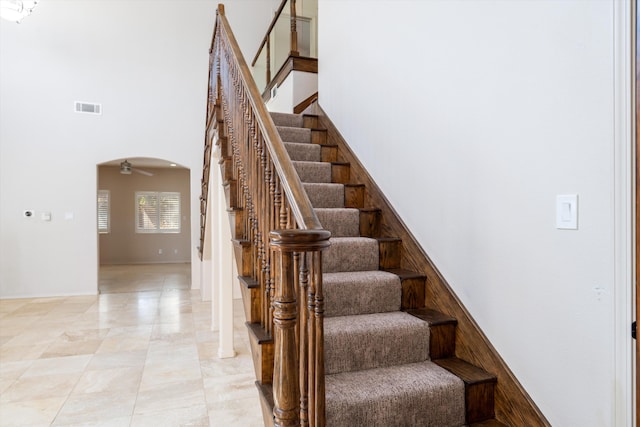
16	10
125	168
173	165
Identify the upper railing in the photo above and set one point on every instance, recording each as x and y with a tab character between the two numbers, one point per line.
280	235
292	33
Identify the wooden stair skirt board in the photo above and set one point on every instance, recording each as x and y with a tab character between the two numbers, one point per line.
392	324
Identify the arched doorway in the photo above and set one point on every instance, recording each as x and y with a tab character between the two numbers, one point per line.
144	225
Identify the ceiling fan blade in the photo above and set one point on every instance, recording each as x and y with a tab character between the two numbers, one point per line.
140	171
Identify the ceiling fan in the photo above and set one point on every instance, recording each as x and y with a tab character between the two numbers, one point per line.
126	169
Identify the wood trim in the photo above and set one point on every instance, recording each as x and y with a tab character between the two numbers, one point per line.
300	205
304	104
636	105
513	405
293	63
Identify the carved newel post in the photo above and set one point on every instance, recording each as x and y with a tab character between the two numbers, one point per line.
286	384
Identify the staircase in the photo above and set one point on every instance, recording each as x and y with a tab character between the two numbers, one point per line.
335	288
384	366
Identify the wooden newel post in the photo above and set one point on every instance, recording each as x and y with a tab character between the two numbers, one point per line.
286	384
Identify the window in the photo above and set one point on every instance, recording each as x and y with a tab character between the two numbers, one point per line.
103	211
157	212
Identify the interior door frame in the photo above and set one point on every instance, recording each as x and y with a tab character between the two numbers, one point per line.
625	212
635	146
635	59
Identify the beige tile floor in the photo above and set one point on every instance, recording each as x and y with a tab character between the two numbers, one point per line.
139	354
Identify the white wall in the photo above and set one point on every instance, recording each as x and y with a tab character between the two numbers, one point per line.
472	117
298	86
147	64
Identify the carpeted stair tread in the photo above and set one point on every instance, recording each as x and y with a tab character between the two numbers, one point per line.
368	341
318	172
290	120
418	394
376	356
361	292
325	195
295	134
341	222
351	254
303	151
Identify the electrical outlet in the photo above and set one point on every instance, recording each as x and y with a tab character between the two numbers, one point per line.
175	251
159	251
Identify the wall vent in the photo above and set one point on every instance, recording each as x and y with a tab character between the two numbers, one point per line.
89	108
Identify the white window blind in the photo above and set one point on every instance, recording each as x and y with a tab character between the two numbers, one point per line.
103	211
157	212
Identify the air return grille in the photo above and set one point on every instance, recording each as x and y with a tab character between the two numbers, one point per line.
88	108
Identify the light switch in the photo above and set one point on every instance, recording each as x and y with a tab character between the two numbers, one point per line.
567	212
46	216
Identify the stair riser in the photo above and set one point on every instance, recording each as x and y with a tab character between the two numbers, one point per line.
480	402
479	388
442	341
328	153
413	292
266	404
340	173
369	223
354	196
390	253
318	136
251	300
236	221
262	359
226	169
225	147
231	194
310	121
244	260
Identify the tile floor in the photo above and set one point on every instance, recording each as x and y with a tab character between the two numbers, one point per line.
139	354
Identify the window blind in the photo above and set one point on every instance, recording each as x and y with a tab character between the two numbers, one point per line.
157	212
103	211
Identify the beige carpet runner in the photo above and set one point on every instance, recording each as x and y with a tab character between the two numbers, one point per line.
376	356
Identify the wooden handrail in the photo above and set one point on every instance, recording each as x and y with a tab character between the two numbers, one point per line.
267	39
277	231
269	29
302	210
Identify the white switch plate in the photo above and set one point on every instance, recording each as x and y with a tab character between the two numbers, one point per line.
567	212
46	216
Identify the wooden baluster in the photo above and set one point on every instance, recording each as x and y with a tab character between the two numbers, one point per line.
318	319
284	213
294	32
311	349
268	58
303	345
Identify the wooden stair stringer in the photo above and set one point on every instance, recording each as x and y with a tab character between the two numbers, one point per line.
513	405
